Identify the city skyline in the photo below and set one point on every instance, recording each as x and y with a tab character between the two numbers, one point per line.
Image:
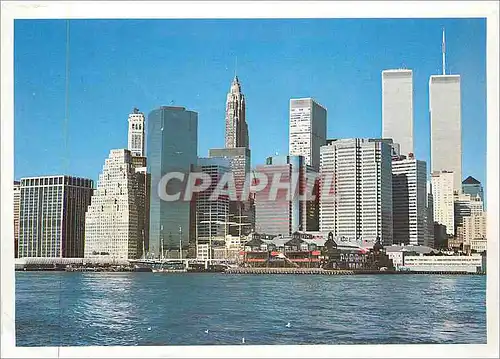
262	118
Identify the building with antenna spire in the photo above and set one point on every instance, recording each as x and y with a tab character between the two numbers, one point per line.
446	123
236	126
237	152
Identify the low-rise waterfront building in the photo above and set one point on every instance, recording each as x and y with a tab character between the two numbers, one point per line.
314	249
17	199
443	263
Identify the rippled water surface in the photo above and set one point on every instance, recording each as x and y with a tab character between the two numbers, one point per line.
75	309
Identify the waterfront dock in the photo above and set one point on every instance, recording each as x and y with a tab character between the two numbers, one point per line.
321	271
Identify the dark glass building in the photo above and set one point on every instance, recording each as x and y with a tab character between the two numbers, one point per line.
172	138
472	187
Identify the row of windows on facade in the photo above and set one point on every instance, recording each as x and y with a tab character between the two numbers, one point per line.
136	126
47	181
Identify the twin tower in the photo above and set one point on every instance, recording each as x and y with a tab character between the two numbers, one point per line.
445	117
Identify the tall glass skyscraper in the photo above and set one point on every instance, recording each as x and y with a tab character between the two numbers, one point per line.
172	139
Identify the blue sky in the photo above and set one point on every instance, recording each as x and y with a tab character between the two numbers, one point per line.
116	65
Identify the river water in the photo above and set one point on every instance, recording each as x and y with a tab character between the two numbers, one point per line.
80	309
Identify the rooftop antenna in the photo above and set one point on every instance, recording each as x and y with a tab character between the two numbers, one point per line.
443	49
235	66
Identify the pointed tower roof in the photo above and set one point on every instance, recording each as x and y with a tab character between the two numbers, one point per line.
470	180
235	85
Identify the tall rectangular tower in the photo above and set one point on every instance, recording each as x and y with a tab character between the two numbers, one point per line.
445	109
307	129
356	189
172	148
212	214
409	197
136	133
294	208
446	126
397	108
444	211
52	216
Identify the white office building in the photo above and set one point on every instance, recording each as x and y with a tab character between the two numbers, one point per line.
307	129
113	223
356	189
446	127
442	190
474	228
136	133
397	108
409	197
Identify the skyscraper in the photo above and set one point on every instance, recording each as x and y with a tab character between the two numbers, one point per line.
172	147
238	152
473	187
113	223
291	210
446	124
307	129
239	164
444	213
429	218
136	146
397	108
409	199
212	213
356	189
136	133
474	227
236	125
52	216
